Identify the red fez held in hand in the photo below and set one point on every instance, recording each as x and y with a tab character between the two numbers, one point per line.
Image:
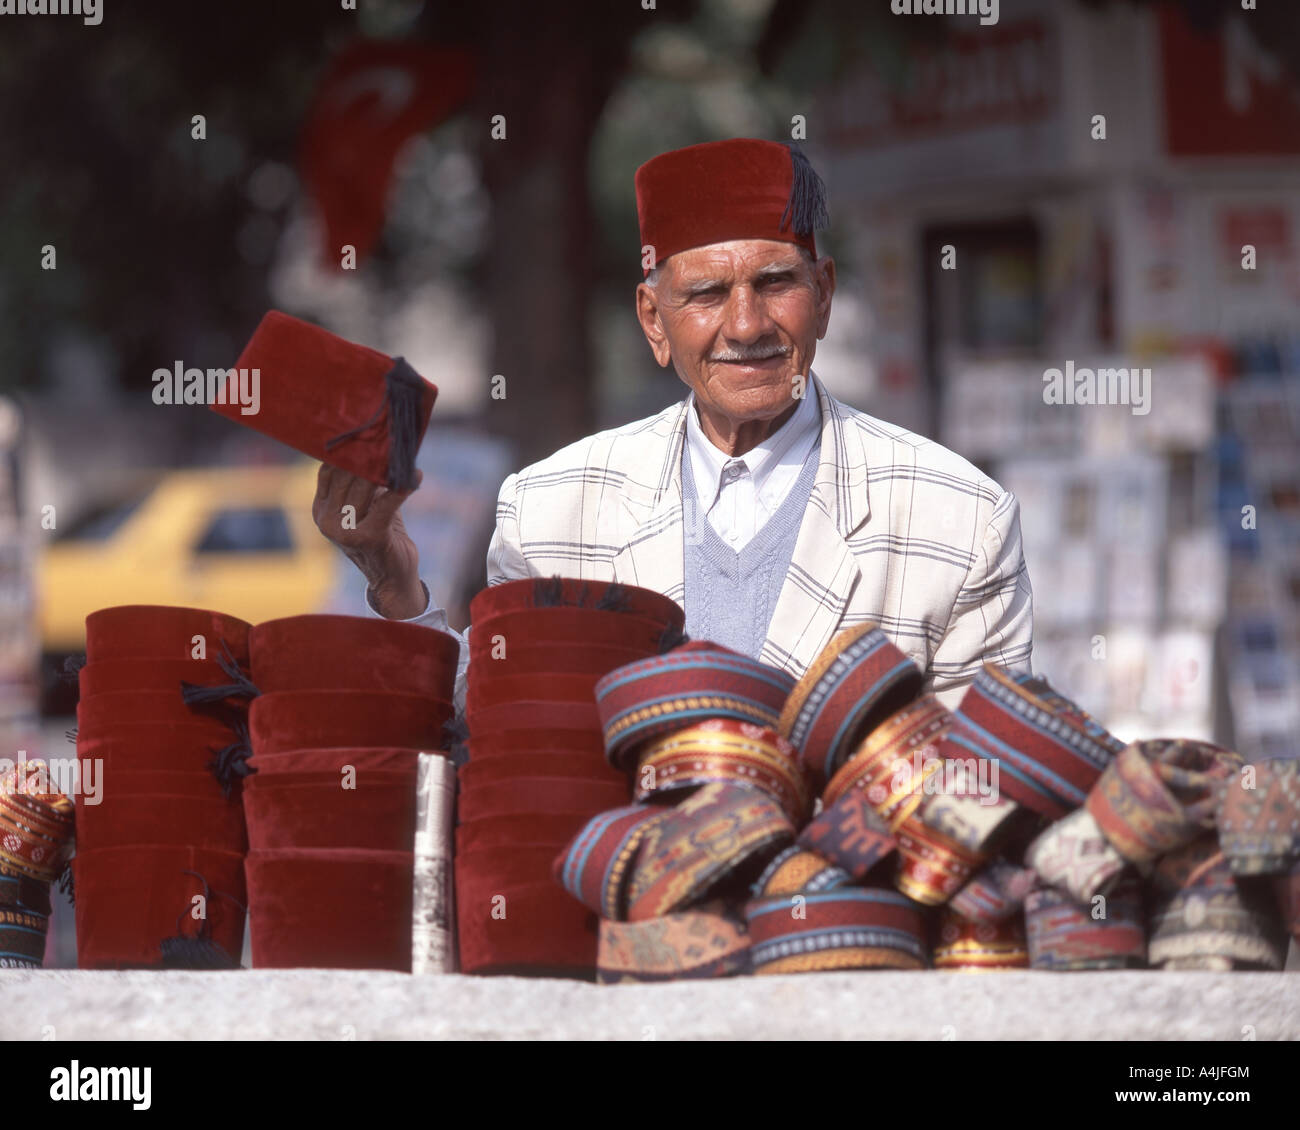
728	190
344	404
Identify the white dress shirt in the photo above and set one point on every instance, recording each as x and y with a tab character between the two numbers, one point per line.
739	495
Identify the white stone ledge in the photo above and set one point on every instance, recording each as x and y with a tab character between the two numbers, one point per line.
307	1004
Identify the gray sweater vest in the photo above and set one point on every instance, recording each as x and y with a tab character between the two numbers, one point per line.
730	596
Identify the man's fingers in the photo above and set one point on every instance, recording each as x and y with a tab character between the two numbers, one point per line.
324	482
359	495
387	502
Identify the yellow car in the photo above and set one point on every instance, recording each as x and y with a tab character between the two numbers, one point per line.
238	540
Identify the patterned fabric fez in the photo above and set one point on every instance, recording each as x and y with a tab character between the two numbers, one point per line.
723	190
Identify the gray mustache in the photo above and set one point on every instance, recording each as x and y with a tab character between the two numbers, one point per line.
753	353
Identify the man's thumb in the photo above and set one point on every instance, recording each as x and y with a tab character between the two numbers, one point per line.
387	504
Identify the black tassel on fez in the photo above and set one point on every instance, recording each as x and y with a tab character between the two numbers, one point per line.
403	393
806	210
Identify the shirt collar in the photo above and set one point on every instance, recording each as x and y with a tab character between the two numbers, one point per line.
791	442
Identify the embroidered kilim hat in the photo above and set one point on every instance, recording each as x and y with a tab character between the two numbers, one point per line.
36	823
1075	856
797	870
975	946
1066	935
996	891
696	682
1158	795
858	681
20	892
158	631
528	796
136	907
874	767
720	837
359	758
1259	828
1286	890
315	810
532	929
1049	752
596	865
851	835
1204	917
22	938
846	928
183	820
330	908
352	407
742	188
725	751
355	653
710	941
290	720
978	823
931	867
569	593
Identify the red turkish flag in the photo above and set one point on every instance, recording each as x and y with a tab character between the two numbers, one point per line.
375	96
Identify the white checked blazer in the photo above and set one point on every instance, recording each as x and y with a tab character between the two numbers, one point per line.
899	531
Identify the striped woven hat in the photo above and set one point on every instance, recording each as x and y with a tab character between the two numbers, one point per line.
721	836
1049	752
1066	935
997	890
858	680
693	683
799	871
596	865
845	928
1259	826
975	946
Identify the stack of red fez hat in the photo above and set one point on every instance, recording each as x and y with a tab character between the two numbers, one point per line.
536	770
346	705
159	876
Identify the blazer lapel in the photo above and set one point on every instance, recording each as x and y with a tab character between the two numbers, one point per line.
653	554
823	571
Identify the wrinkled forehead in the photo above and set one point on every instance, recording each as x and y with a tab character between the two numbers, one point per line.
735	259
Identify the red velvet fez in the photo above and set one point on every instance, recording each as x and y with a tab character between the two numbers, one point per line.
723	190
354	653
346	405
162	631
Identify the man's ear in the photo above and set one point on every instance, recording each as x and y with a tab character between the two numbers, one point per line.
647	313
824	277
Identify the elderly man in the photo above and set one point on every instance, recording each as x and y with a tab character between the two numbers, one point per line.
773	513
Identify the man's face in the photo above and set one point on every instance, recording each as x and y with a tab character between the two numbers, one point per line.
739	321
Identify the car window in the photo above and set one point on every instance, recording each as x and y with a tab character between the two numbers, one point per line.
249	529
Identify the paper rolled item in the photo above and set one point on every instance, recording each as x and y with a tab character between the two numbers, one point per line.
344	404
433	927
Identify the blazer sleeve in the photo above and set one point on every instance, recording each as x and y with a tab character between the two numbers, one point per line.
505	558
992	619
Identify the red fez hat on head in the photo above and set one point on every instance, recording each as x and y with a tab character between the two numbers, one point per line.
356	653
723	190
352	407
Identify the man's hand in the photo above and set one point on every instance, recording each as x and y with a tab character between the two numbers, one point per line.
373	536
